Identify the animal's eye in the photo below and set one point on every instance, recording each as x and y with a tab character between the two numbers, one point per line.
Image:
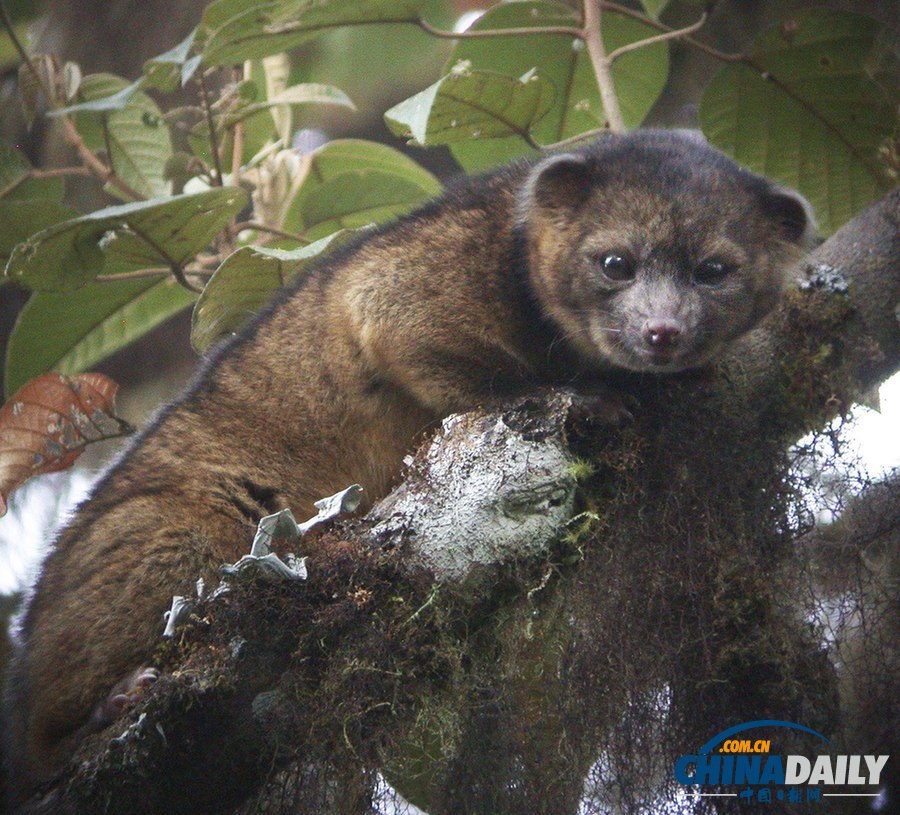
616	267
712	272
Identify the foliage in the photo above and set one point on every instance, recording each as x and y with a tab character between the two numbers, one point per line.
523	79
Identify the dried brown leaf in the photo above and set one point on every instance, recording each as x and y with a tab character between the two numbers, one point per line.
48	422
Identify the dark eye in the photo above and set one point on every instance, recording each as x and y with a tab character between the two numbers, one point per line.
616	267
712	272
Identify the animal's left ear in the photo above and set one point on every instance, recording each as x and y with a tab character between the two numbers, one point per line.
793	214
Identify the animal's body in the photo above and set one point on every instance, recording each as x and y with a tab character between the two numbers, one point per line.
649	252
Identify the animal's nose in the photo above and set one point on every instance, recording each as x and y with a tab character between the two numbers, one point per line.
661	333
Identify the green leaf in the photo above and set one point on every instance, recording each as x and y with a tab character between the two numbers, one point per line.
466	105
102	104
15	185
816	120
173	69
353	200
138	136
19	220
350	183
246	281
71	332
654	7
236	30
123	238
639	76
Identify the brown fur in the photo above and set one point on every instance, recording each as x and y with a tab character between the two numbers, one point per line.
490	290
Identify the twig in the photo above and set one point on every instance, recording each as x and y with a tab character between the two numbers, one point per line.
23	54
668	35
751	63
237	146
104	122
601	63
649	21
97	167
587	134
56	172
211	124
90	161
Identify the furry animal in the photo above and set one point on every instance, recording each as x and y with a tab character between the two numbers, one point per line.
649	252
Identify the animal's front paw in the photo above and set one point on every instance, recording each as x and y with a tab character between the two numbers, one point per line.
126	693
601	406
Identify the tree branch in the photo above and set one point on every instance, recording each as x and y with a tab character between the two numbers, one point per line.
601	63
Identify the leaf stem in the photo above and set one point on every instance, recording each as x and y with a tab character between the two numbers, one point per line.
176	268
668	35
601	63
137	274
568	31
211	124
649	21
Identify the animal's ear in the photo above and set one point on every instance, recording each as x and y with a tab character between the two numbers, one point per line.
558	184
793	214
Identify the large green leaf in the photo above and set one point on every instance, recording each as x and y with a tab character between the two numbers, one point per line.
147	234
134	133
27	205
639	76
245	282
15	184
71	332
816	118
350	183
466	105
236	30
19	220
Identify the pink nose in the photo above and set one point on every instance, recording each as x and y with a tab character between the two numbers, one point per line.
661	334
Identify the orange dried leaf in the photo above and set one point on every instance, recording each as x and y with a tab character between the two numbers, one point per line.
48	422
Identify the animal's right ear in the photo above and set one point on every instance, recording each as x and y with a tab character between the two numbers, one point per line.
557	185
